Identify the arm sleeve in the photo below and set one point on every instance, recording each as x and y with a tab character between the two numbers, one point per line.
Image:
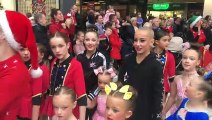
79	84
171	67
158	91
94	93
36	90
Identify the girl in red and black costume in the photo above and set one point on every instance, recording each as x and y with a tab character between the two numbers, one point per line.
165	57
30	108
65	71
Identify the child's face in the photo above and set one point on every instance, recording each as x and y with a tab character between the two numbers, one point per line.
103	80
91	41
25	54
142	42
63	106
40	55
81	37
116	109
108	31
190	60
192	91
163	42
59	48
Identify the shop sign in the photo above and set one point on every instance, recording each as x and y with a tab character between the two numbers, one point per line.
163	6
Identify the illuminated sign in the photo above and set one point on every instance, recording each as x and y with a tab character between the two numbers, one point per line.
164	6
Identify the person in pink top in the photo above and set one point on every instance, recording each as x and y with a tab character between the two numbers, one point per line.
105	76
190	60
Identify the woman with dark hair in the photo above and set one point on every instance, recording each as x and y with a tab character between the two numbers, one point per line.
57	22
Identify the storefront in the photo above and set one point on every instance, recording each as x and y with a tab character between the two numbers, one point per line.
166	10
35	6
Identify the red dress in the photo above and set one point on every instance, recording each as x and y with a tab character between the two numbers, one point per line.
14	77
70	74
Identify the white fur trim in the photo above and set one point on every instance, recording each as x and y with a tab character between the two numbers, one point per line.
7	31
36	73
195	21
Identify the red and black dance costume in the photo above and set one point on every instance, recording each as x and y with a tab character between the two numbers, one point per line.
68	73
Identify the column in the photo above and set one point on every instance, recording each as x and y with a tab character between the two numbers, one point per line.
207	8
8	4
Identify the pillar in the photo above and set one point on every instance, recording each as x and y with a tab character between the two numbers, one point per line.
8	4
207	8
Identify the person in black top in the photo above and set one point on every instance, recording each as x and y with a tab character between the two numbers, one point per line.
40	31
91	59
142	71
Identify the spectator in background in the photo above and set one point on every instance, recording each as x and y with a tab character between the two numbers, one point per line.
57	23
40	31
90	18
177	27
134	23
208	18
109	12
99	24
139	20
156	24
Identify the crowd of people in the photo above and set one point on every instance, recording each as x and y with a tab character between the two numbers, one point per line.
107	68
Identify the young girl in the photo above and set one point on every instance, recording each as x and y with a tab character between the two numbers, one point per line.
64	101
116	44
104	77
193	107
65	71
38	85
190	60
91	59
166	58
120	102
79	46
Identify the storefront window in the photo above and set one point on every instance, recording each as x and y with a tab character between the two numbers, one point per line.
35	6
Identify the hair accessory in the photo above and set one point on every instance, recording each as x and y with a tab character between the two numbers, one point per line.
101	70
98	70
112	72
127	95
111	87
186	46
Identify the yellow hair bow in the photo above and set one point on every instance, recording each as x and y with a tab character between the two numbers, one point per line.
110	87
127	95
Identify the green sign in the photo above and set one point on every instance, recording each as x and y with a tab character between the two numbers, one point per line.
164	6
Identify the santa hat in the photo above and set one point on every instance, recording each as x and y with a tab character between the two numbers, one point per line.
18	31
193	20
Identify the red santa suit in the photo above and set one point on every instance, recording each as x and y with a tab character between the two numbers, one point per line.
14	76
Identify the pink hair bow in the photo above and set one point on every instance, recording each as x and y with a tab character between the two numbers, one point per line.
112	72
98	70
101	70
186	46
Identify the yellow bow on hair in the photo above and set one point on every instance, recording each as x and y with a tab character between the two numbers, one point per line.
112	86
127	95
